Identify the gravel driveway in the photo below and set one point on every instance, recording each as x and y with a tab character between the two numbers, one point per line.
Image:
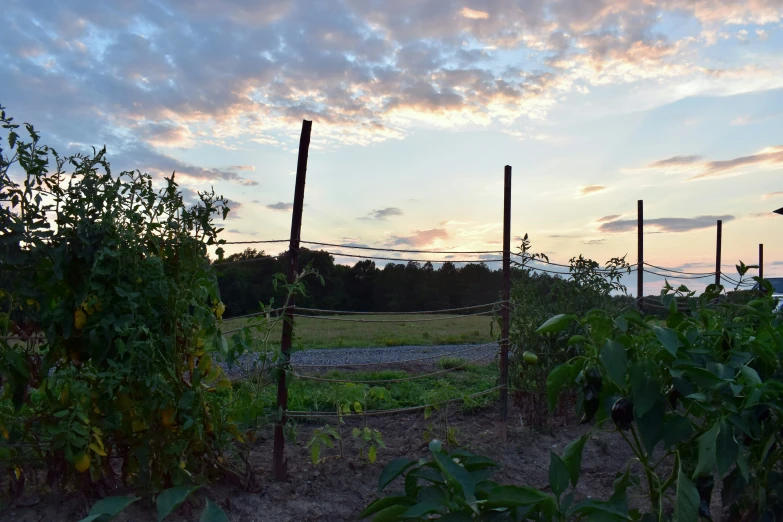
372	356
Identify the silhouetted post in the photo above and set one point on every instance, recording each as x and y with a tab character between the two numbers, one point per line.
505	315
278	459
761	261
640	253
717	252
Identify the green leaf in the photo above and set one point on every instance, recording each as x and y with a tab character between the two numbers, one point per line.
515	496
557	323
651	426
170	499
421	509
390	514
615	360
475	462
392	470
668	338
372	453
577	339
558	474
726	448
750	374
554	384
644	385
109	507
213	513
686	502
385	503
707	444
572	456
457	476
677	429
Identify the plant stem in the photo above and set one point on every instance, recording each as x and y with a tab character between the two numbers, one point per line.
655	495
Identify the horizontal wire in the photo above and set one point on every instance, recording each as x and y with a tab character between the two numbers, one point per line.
401	379
675	276
444	310
633	265
377	249
257	242
387	363
677	271
348	320
305	414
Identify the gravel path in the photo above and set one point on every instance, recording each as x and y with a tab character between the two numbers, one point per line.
380	356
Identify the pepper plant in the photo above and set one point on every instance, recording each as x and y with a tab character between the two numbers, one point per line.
698	399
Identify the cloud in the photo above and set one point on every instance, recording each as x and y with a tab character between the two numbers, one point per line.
241	167
699	168
594	242
467	12
280	206
675	161
382	214
608	218
772	195
591	189
420	237
672	225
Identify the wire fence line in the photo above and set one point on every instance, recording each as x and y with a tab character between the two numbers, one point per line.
429	319
306	414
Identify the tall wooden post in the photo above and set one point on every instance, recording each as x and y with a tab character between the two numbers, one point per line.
640	253
717	252
505	315
278	459
761	261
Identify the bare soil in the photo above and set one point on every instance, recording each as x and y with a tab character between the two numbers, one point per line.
339	488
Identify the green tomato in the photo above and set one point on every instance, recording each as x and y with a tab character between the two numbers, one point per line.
530	358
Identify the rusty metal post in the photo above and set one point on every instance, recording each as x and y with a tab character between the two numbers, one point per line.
640	253
278	459
717	252
761	261
505	315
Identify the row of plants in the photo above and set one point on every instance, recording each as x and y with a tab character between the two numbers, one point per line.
698	400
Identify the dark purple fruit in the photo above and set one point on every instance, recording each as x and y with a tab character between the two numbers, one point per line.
672	396
589	403
622	413
704	485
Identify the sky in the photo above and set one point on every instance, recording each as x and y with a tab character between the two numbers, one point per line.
417	106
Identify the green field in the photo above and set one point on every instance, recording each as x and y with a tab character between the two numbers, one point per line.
319	333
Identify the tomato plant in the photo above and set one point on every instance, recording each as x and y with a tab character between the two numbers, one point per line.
111	322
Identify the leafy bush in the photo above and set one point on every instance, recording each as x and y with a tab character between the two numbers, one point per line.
456	486
702	393
537	296
111	322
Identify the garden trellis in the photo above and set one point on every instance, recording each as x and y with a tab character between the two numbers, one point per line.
501	307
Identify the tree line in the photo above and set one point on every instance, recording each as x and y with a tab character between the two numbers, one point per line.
246	280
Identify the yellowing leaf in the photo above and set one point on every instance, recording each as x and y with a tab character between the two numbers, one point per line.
82	463
182	464
4	432
97	449
372	454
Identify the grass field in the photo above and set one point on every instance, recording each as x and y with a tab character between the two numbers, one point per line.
317	333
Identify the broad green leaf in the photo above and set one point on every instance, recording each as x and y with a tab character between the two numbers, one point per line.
385	503
677	429
554	384
726	448
170	499
475	462
107	508
599	510
556	323
513	496
572	456
644	385
750	374
457	476
614	359
390	514
213	513
576	339
668	339
707	443
686	502
421	509
651	426
558	474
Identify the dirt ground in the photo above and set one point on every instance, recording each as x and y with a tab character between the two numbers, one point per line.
339	488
